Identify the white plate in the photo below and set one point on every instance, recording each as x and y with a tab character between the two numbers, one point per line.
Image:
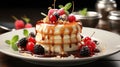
111	41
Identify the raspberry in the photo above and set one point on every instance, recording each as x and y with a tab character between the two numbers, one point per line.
71	18
38	49
51	11
31	39
86	39
28	25
53	18
19	24
85	51
91	45
61	11
30	46
22	42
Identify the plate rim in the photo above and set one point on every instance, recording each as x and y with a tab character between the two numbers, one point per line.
59	60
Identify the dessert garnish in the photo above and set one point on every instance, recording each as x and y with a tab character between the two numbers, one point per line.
27	20
12	42
58	34
19	24
22	23
83	12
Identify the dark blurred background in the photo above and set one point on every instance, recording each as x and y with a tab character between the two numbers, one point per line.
45	3
33	8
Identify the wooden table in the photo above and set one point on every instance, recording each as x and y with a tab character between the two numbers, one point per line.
9	61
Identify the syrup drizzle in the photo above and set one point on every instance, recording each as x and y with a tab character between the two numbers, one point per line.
50	34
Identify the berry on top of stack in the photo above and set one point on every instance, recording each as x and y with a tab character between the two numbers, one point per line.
58	34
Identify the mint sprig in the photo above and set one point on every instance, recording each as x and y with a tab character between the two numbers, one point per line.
15	39
26	32
8	42
60	6
66	7
12	42
83	12
26	19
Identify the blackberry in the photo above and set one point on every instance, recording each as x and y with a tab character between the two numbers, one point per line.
32	34
97	50
38	49
85	51
22	42
56	15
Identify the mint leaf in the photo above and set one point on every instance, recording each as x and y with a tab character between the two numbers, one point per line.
26	19
12	42
25	32
67	6
83	12
15	39
67	12
14	46
60	6
8	42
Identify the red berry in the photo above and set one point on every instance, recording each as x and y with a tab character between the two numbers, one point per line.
53	18
71	18
61	11
86	39
31	39
19	24
28	25
51	11
30	46
91	44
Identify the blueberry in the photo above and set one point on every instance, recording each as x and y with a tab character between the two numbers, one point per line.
85	51
63	17
22	42
32	34
56	15
38	49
